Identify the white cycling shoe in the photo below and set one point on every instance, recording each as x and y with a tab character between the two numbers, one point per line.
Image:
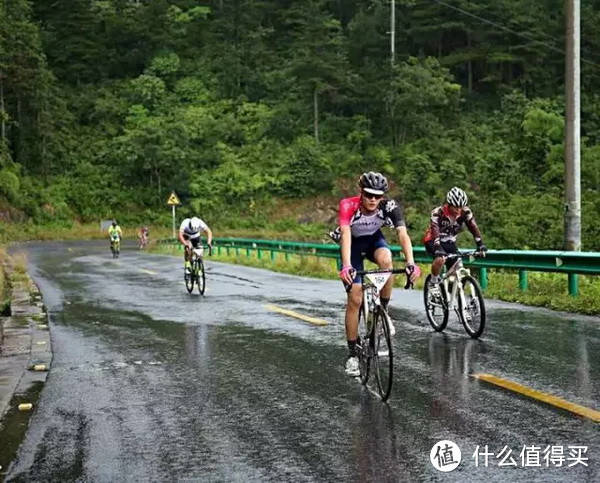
352	366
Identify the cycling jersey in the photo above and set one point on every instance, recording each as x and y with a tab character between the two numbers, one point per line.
115	231
444	227
388	213
188	232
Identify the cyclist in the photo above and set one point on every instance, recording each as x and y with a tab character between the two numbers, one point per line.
446	223
114	234
143	236
114	231
189	236
360	220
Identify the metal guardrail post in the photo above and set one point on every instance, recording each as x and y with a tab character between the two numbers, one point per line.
483	279
273	255
287	256
259	254
523	282
248	252
573	284
218	250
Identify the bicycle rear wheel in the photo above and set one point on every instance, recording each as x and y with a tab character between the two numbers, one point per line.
366	345
189	278
472	315
383	353
435	306
201	278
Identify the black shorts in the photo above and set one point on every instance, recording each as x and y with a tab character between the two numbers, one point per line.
195	241
448	246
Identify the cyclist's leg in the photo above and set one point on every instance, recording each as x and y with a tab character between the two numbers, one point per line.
437	264
352	308
379	252
187	255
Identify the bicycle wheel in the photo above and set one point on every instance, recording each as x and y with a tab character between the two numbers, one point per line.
200	276
435	306
366	345
383	353
189	278
472	315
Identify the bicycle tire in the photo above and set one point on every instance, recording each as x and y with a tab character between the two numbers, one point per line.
200	276
472	330
431	307
383	364
189	278
364	355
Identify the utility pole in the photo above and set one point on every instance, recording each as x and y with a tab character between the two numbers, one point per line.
393	32
572	128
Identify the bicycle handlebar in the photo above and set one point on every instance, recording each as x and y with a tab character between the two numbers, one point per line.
408	285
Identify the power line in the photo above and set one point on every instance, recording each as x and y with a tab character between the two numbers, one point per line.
507	29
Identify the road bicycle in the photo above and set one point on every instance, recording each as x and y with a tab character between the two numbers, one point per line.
374	330
115	245
196	274
457	291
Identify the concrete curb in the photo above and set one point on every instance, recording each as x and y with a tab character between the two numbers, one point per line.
25	350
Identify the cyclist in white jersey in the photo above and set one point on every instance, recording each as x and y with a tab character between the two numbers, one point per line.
189	235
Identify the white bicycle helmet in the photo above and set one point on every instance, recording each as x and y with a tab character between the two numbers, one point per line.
195	224
457	197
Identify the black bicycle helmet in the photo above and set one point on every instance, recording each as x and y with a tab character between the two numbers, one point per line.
374	183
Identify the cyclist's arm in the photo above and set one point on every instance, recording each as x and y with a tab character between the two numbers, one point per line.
405	243
472	226
209	235
181	239
345	243
120	232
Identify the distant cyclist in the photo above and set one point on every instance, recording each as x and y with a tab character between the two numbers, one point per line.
189	235
143	237
360	220
114	231
446	222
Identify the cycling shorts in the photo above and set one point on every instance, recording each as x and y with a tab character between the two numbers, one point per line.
448	246
364	247
195	241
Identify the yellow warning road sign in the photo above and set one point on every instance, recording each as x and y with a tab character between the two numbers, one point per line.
173	199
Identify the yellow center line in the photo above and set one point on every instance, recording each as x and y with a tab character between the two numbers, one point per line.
291	313
148	271
541	396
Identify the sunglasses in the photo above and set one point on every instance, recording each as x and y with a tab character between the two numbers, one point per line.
371	195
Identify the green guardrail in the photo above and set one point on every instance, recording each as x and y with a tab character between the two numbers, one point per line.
571	263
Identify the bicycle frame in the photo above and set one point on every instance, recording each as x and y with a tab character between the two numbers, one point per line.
452	280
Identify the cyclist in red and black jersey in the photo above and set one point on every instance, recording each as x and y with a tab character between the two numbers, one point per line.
360	221
446	223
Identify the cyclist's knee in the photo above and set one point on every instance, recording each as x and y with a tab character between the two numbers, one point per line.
354	299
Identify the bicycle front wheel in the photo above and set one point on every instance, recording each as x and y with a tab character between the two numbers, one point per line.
366	344
435	306
472	315
189	279
201	277
383	354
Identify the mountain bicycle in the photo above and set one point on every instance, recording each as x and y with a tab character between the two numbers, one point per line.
196	274
115	245
374	330
459	291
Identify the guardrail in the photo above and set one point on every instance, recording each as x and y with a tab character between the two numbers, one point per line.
571	263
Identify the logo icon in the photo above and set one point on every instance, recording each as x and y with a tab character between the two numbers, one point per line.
445	455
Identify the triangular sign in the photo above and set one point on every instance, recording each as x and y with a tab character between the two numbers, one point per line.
173	199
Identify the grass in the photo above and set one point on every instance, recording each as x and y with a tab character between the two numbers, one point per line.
545	289
4	285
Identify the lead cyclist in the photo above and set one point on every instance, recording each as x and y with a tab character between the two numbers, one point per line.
189	235
359	234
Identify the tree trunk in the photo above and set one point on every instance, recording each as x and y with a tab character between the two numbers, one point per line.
2	113
469	66
316	114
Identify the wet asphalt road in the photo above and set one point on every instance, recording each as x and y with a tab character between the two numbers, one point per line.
149	382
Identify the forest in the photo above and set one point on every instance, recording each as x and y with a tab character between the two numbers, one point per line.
243	106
